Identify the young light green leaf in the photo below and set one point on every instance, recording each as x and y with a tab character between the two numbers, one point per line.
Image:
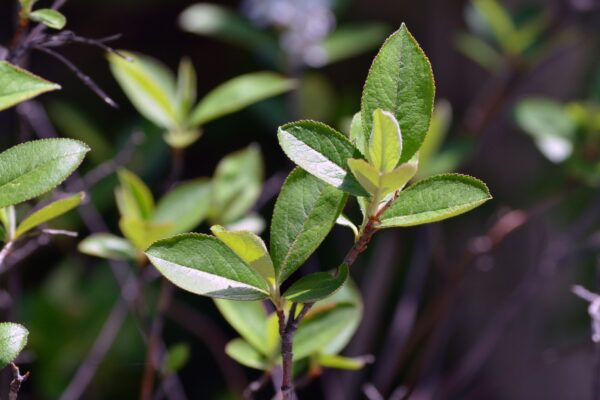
365	174
341	362
185	206
250	248
49	212
49	17
252	222
434	199
378	183
498	19
149	85
479	51
438	129
33	168
400	81
322	151
177	356
106	245
345	221
204	265
18	85
248	318
236	185
186	86
239	93
13	338
351	40
314	287
385	143
242	352
134	198
304	213
357	137
143	233
397	178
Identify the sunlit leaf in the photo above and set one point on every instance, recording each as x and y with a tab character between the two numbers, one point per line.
134	198
18	85
13	338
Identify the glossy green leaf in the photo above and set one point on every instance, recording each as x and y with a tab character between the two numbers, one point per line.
18	85
143	233
49	212
106	245
322	151
49	17
400	81
13	338
341	362
304	213
177	356
242	352
385	143
250	248
314	287
204	265
149	85
248	318
185	206
434	199
134	198
351	40
236	185
33	168
239	93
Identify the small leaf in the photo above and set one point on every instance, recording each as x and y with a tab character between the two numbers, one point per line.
379	183
321	151
385	143
252	222
438	130
314	287
33	168
242	352
248	318
479	51
345	221
143	233
434	199
341	362
49	212
498	19
177	356
185	206
357	136
204	265
49	17
400	81
351	40
366	174
18	85
239	93
304	213
149	85
186	86
106	245
250	248
134	198
13	338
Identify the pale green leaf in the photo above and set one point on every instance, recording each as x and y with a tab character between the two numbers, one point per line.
242	352
49	212
13	338
434	199
341	362
134	198
397	178
479	51
143	233
321	151
438	129
365	174
186	86
204	265
185	206
498	19
106	245
248	318
314	287
49	17
177	356
18	85
239	93
33	168
357	136
382	183
252	222
400	81
385	143
351	40
343	220
304	213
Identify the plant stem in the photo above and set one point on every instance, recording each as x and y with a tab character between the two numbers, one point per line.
15	384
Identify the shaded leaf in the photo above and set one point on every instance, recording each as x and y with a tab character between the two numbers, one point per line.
134	198
143	233
314	287
248	318
49	212
13	338
106	245
242	352
345	221
185	206
49	17
186	86
18	85
341	362
177	356
351	40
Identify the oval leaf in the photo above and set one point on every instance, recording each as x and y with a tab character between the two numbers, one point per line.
49	17
33	168
51	211
248	318
13	337
434	199
385	143
134	198
242	352
322	151
400	81
185	206
18	85
106	245
204	265
317	286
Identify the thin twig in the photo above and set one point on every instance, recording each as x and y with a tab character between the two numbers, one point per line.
15	384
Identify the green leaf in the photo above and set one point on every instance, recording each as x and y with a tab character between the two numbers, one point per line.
106	245
356	134
13	338
239	93
351	40
345	221
248	318
18	85
434	199
177	356
479	51
49	17
385	143
185	206
186	86
143	233
250	248
322	151
134	198
204	265
380	184
314	287
242	352
236	185
33	168
400	81
438	129
149	85
341	362
49	212
304	213
498	19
